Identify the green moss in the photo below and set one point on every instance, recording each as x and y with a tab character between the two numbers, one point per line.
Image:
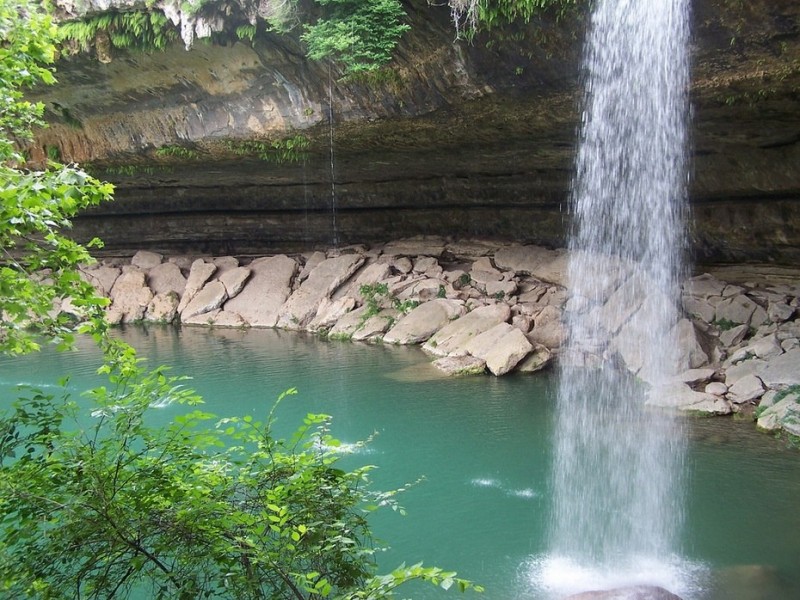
286	150
176	151
145	30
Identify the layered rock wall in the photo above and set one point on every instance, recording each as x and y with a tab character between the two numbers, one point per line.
460	139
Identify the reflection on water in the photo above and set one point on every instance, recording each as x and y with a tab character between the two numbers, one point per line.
483	445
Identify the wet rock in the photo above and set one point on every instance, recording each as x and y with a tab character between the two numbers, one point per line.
330	312
681	397
423	321
695	376
637	592
538	359
699	308
547	328
690	351
460	365
783	414
266	291
453	337
704	286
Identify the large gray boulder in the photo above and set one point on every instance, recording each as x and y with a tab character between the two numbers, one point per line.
423	321
637	592
101	277
460	365
166	277
211	297
452	339
163	308
199	274
301	307
266	291
502	347
543	264
130	298
680	396
146	260
548	329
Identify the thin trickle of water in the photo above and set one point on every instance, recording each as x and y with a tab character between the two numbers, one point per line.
334	226
617	469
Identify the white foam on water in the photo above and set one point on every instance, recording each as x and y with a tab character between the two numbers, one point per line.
523	493
559	576
485	482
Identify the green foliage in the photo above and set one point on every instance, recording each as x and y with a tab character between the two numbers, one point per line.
789	391
38	267
191	511
172	150
472	15
377	298
94	503
145	30
287	150
246	32
361	34
725	324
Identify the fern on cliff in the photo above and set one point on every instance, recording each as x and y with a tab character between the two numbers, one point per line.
140	30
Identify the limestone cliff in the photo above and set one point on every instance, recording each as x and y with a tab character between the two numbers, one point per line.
458	139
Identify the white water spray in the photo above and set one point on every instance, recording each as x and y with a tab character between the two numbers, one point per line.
617	471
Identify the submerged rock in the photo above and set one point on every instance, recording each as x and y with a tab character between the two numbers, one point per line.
637	592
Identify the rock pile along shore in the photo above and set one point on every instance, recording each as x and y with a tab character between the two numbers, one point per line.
476	306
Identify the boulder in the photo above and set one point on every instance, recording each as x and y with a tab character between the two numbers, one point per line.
130	298
695	376
166	277
460	365
146	260
779	312
690	350
224	264
349	324
782	370
266	291
453	337
234	280
199	274
543	264
163	308
301	307
402	265
783	414
731	337
502	347
536	360
766	348
547	328
102	278
423	321
746	389
637	592
211	297
311	263
738	309
698	308
681	397
369	274
704	286
716	388
330	312
373	328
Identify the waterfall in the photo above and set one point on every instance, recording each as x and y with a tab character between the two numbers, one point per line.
617	481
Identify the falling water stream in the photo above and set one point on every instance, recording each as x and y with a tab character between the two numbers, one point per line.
617	483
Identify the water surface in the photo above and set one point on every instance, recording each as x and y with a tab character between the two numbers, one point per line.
483	445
